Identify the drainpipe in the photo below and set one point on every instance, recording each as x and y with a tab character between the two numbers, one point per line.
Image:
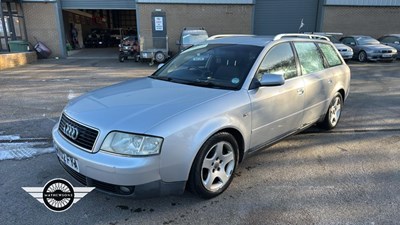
60	28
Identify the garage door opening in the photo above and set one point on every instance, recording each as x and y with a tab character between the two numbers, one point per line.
96	33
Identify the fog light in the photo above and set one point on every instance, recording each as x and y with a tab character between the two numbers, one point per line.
125	190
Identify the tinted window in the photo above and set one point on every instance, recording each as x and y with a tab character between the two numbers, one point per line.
279	60
389	39
309	57
333	39
330	54
367	41
348	41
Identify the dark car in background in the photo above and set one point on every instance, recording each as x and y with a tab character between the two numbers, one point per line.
392	40
98	38
367	48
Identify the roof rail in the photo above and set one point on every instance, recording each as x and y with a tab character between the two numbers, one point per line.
309	36
229	35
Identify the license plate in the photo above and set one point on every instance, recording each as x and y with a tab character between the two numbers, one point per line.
387	55
68	160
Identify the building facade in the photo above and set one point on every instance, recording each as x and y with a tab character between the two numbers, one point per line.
57	23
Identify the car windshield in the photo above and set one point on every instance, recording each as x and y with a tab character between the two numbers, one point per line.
223	66
191	39
333	39
367	41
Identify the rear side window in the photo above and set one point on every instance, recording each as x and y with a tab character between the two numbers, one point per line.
330	54
309	57
279	60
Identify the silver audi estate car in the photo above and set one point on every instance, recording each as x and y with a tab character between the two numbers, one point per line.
197	117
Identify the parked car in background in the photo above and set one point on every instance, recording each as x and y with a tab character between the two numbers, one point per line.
198	116
367	48
191	36
344	50
392	40
98	38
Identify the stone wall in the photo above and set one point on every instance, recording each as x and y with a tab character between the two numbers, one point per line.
372	21
41	22
11	60
216	19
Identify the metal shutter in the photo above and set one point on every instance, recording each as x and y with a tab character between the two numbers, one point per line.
284	16
98	4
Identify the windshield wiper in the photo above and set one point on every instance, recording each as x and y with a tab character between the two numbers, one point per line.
161	78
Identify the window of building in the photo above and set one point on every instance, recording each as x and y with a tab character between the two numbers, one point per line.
12	25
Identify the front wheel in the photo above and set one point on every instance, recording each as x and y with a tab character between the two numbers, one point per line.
212	170
362	56
333	114
121	58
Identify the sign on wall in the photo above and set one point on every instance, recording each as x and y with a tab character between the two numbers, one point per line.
158	23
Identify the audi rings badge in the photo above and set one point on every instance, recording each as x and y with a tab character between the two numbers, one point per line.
70	131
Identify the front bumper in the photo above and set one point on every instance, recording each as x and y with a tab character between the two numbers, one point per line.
346	55
381	56
128	176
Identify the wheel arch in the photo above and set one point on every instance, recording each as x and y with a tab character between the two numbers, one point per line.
239	139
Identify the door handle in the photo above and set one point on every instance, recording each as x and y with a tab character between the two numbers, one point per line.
300	91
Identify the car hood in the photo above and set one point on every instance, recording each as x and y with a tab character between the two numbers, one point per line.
138	105
341	46
378	47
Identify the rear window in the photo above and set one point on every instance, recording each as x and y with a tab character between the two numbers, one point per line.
330	54
309	57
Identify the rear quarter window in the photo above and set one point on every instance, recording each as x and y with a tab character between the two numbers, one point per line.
309	57
330	54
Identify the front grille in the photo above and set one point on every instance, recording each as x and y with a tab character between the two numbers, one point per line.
342	50
86	136
106	187
386	51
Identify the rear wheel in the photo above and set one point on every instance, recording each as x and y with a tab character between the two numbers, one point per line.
362	56
333	114
212	170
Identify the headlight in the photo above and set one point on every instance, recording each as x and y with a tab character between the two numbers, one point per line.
131	144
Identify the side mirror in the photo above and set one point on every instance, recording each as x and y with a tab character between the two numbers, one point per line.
160	65
268	79
178	42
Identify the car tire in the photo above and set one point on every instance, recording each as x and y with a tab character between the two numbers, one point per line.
159	57
362	56
333	114
214	165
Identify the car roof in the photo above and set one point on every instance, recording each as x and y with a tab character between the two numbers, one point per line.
252	39
396	35
241	39
355	36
